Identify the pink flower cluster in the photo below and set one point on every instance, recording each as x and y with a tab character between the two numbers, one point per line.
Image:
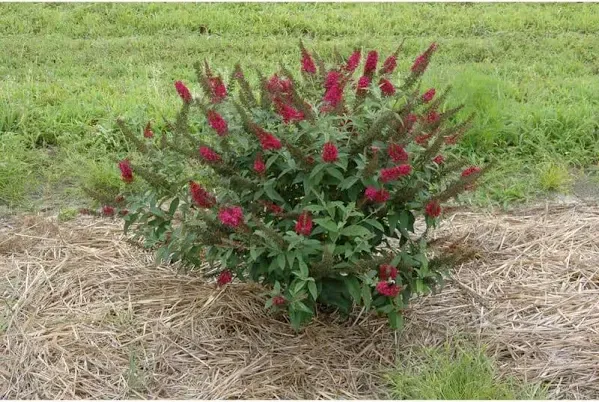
378	196
231	216
397	153
329	152
394	173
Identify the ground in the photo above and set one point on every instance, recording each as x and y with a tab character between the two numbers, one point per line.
88	315
75	289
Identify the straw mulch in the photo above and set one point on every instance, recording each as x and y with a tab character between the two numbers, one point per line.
87	315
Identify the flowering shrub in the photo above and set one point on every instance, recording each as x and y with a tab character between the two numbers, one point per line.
321	180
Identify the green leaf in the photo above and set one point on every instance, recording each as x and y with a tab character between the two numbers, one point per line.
281	261
335	173
303	268
298	286
255	253
173	207
157	211
291	259
406	221
353	286
313	290
314	208
129	220
374	223
272	193
395	320
356	231
348	182
271	160
296	319
327	223
393	219
304	308
319	168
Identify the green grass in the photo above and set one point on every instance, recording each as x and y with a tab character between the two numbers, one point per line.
67	71
456	372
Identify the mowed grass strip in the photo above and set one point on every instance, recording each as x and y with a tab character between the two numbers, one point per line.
529	71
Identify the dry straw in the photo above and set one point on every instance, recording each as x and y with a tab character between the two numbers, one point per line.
87	315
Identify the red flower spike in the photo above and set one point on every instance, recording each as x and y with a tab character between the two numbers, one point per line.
274	208
126	171
278	85
217	122
370	193
288	113
389	64
421	62
332	79
363	84
123	212
387	289
224	278
268	141
200	196
183	92
394	173
422	140
219	90
387	87
379	196
308	65
278	300
353	61
329	152
259	165
432	209
303	225
107	210
148	133
387	272
471	170
334	95
397	153
428	95
439	159
209	155
371	59
231	216
432	117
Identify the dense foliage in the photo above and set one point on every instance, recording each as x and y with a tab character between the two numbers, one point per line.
320	182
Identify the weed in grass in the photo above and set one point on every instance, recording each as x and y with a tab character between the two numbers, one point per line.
456	372
554	177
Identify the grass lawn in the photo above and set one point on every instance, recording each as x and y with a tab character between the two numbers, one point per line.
67	71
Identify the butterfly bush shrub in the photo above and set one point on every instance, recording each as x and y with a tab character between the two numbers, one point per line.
320	175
